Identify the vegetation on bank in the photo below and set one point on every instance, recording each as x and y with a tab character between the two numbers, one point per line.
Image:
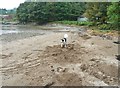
103	15
79	23
94	30
8	15
43	12
7	12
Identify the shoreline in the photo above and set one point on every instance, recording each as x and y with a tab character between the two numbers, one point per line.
7	38
26	31
39	60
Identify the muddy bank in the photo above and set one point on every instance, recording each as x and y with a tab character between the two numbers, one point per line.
11	33
39	60
6	38
72	68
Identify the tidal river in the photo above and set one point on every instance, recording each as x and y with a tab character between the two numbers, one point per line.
12	33
7	31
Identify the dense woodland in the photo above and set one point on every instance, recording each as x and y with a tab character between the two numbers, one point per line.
43	12
99	13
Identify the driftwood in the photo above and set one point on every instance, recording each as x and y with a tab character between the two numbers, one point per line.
49	85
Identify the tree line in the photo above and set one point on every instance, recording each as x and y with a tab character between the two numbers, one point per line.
43	12
104	14
7	12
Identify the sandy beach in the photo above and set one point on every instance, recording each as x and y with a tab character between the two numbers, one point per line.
38	60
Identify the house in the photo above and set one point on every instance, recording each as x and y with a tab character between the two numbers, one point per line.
7	17
82	18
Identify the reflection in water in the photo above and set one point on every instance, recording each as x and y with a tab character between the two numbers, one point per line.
12	33
8	31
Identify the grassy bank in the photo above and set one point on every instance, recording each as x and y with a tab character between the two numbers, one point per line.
95	29
85	23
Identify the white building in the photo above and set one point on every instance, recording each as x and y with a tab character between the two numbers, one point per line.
82	19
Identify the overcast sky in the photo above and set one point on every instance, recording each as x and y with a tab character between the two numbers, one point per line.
10	4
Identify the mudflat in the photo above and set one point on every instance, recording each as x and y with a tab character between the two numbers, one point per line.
39	60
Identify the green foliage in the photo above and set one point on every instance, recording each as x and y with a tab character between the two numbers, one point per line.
114	14
96	12
103	15
7	12
85	23
3	11
104	27
43	12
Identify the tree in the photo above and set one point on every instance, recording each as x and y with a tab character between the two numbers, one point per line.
3	11
22	12
97	12
43	12
114	14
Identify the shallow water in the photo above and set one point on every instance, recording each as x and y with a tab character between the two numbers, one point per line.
11	32
15	32
8	31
